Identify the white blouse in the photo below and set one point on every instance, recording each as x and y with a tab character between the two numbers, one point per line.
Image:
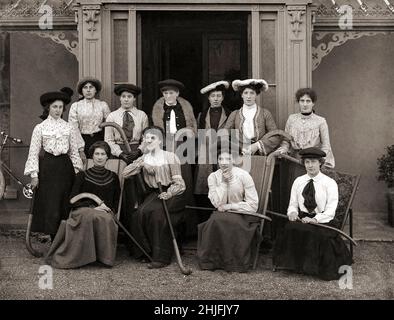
326	196
240	192
112	136
248	126
88	115
56	137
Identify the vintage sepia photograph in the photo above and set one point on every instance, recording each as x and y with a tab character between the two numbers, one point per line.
196	154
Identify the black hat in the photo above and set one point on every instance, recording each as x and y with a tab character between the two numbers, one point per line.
171	84
64	94
95	82
121	87
312	153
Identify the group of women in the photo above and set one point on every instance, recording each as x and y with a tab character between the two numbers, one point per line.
225	241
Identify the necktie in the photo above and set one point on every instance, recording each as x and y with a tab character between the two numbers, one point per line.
128	125
309	196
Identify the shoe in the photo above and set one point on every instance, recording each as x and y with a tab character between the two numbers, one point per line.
157	265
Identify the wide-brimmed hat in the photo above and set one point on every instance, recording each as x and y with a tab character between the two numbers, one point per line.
129	87
171	84
216	86
312	153
95	82
64	94
255	84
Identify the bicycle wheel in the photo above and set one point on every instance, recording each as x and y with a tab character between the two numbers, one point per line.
2	184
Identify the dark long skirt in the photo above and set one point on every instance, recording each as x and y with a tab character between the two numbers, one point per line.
90	139
150	227
88	235
227	241
51	203
307	249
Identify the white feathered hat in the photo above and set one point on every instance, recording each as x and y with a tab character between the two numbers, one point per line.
256	83
219	86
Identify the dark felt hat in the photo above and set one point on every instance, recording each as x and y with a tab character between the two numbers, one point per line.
121	87
312	153
64	94
95	82
171	84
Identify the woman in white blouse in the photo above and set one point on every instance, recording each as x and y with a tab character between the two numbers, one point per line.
150	226
307	129
52	176
226	241
88	113
314	199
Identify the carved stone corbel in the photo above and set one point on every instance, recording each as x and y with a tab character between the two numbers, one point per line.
91	17
296	13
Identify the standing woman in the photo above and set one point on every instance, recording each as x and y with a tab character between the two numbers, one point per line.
88	113
252	121
151	227
307	129
52	175
214	117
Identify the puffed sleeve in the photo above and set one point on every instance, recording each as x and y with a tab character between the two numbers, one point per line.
293	203
270	125
74	145
116	197
73	115
133	168
109	137
177	185
251	199
325	144
106	110
217	190
32	166
332	203
284	144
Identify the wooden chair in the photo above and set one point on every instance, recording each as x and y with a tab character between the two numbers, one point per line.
347	188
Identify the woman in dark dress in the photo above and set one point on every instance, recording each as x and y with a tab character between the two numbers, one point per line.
52	175
90	233
150	226
304	248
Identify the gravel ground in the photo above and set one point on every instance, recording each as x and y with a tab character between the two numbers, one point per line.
373	278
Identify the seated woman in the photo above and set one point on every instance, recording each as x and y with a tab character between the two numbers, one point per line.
90	233
150	226
307	129
228	240
304	248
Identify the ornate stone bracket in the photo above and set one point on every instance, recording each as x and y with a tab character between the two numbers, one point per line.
60	37
90	13
296	13
330	40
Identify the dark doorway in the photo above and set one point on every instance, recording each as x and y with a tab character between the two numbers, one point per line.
196	48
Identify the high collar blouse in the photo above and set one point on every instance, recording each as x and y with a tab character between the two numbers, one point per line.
55	137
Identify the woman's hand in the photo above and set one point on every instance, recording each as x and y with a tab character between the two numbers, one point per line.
227	175
83	157
224	207
34	183
252	149
293	216
165	195
308	220
280	151
103	207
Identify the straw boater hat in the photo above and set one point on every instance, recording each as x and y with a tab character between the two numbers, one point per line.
216	86
95	82
129	87
171	84
256	84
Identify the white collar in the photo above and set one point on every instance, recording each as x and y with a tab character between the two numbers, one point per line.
315	178
249	108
